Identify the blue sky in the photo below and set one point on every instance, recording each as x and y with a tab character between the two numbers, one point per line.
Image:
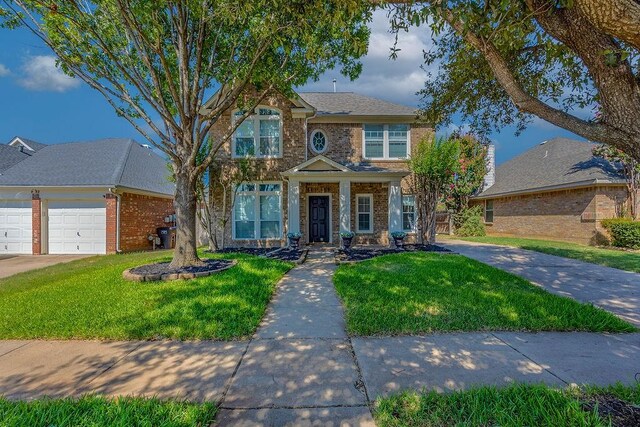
39	102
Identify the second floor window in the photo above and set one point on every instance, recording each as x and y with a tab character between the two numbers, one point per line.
260	135
386	141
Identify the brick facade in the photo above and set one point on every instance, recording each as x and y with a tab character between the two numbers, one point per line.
111	204
573	215
344	147
36	223
140	215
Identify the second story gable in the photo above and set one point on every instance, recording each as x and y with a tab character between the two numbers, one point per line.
348	128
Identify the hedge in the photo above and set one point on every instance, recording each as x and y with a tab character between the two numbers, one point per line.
469	223
625	232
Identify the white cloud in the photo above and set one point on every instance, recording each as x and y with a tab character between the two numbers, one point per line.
40	73
393	80
4	71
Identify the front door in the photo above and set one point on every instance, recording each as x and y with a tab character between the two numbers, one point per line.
319	218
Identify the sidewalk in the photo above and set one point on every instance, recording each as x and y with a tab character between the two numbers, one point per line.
614	290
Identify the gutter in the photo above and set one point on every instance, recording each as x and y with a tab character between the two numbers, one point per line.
558	187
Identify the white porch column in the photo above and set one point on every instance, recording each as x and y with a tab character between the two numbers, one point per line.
293	206
395	206
345	205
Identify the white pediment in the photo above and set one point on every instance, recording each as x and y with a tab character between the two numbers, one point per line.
320	164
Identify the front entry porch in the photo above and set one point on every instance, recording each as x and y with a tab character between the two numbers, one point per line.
325	198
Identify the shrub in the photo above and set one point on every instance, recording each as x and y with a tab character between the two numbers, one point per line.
469	222
625	232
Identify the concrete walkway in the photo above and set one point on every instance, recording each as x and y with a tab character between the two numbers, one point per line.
14	264
302	368
614	290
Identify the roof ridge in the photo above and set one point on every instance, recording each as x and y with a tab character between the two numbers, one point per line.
117	176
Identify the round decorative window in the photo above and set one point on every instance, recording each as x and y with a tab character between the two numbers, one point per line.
318	141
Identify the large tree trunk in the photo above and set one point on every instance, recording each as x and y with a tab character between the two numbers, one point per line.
185	204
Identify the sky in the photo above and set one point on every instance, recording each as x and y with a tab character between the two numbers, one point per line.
39	102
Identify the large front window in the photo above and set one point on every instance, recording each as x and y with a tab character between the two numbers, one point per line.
386	141
257	212
260	135
364	213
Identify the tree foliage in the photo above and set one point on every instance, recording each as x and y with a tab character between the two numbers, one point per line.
499	63
157	62
434	164
470	174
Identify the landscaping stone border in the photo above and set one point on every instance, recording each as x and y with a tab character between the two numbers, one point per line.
186	275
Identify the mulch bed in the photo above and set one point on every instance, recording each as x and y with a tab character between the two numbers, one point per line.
161	271
361	254
284	254
621	413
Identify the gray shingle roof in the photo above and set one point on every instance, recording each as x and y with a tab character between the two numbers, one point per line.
105	162
10	156
353	104
559	162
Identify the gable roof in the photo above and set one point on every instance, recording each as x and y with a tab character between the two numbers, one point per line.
554	164
29	144
353	104
105	163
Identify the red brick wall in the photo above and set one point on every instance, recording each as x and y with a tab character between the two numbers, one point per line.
572	215
140	216
111	202
36	224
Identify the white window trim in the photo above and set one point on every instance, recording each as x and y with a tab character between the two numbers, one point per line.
358	212
385	143
415	213
256	226
493	210
326	141
256	133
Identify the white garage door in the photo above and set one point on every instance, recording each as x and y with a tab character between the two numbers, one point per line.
77	228
15	227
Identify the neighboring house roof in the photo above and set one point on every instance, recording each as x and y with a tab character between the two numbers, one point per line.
10	156
555	164
353	104
105	162
29	144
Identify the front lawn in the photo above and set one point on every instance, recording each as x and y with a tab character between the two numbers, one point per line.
103	412
89	299
517	405
624	260
421	292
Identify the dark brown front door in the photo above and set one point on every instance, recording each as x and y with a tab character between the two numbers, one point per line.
319	218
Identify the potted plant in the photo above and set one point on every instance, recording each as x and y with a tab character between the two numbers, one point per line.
294	239
398	238
347	237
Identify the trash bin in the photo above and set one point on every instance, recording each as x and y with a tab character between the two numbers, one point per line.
167	236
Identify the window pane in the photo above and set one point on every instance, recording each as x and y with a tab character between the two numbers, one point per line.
398	140
270	208
269	187
245	229
373	141
364	221
268	112
269	137
269	229
408	213
246	187
319	142
364	204
244	139
245	207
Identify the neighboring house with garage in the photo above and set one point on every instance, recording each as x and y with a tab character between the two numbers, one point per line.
326	162
556	190
94	197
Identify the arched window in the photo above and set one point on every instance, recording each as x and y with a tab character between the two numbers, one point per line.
318	141
260	135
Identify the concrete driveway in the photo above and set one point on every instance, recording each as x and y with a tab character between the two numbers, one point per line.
13	264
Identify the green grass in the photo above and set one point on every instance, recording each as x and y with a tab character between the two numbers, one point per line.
422	292
94	411
517	405
88	299
623	260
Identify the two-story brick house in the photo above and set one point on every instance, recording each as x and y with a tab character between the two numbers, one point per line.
326	163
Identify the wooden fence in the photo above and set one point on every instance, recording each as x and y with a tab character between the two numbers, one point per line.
444	223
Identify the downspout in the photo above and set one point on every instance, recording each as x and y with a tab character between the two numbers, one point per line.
118	200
